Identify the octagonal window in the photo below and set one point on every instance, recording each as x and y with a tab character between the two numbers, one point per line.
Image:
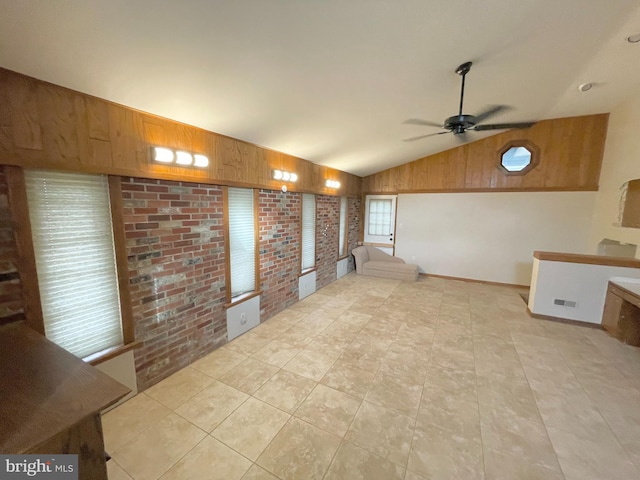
518	157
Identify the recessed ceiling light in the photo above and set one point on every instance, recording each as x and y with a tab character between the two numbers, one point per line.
635	38
585	87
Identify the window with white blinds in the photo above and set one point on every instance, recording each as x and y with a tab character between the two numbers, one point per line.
70	217
342	242
308	231
242	240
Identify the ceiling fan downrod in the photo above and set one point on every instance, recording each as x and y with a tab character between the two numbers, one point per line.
462	70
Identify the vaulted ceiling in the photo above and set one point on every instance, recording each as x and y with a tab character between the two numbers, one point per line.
331	81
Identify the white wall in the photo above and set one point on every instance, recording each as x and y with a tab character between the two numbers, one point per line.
584	284
621	163
490	236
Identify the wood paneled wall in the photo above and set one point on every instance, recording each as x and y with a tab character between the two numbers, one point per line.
571	151
47	126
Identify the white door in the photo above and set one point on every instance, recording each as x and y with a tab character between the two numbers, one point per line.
380	220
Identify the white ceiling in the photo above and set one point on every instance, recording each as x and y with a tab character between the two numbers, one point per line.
330	81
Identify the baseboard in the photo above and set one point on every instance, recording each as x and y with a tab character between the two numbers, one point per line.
577	323
473	280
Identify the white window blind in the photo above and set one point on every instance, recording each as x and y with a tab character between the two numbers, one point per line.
242	240
343	226
72	234
380	217
308	230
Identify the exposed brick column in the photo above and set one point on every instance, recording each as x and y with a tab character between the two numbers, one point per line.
279	218
327	231
175	248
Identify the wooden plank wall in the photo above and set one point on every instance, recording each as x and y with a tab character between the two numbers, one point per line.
47	126
571	151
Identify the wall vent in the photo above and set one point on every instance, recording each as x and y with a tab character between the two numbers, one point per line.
564	303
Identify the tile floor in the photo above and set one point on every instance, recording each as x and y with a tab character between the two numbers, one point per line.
378	379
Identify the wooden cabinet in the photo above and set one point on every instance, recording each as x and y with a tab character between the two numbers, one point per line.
631	212
621	315
50	400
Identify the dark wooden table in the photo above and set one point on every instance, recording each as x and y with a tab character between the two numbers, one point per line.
50	400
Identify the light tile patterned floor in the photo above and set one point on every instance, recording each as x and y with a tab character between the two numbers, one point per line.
377	379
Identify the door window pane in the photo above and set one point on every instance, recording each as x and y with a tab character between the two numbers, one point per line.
380	217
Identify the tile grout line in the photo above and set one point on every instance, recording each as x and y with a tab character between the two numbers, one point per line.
435	332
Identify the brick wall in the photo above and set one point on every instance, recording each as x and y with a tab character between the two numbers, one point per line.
175	248
353	226
327	232
11	304
279	219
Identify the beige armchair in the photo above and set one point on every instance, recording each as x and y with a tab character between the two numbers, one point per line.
374	262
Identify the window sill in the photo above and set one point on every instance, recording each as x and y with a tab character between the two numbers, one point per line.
109	353
307	271
343	257
242	298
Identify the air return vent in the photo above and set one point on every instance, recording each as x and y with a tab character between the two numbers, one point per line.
564	303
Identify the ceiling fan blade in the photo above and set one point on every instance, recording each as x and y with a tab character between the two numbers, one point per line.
413	139
417	121
503	126
490	112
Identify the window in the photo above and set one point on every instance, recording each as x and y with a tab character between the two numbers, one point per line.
518	157
342	242
75	260
308	231
242	242
380	217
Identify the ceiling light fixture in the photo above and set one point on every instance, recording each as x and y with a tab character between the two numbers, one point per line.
200	160
180	157
160	154
585	87
184	158
283	175
635	38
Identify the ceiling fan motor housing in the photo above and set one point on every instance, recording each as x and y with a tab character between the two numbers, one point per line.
459	123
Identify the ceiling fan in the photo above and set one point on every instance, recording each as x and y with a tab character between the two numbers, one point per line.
460	123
